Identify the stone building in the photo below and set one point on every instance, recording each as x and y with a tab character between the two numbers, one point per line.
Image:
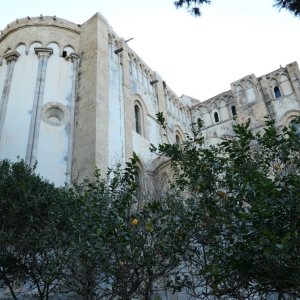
75	96
275	95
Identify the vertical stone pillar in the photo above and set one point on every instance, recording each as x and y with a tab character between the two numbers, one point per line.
75	61
43	55
90	145
11	59
293	71
160	90
128	105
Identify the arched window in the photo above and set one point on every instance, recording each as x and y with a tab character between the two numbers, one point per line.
250	91
285	85
216	116
137	115
233	110
177	138
241	96
277	92
295	125
199	123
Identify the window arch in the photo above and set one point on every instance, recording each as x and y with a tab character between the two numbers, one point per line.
285	85
241	96
277	92
199	123
276	88
216	117
250	91
178	136
233	110
68	50
138	119
139	111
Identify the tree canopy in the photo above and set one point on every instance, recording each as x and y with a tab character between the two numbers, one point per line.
227	226
194	6
91	240
242	196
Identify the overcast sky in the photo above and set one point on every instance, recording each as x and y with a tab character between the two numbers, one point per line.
198	57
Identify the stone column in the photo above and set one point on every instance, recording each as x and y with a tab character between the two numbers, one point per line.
11	59
128	105
43	55
75	61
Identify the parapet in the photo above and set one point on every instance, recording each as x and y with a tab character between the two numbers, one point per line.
52	21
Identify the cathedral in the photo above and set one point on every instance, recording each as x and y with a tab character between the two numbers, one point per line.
75	96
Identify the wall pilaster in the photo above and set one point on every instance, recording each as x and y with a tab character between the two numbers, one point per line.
11	59
43	55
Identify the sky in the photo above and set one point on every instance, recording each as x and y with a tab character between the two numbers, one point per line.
198	57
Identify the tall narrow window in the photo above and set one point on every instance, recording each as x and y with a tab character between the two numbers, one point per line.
277	92
137	115
233	110
177	139
216	116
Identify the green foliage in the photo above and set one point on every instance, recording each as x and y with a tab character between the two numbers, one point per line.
292	6
90	240
100	217
125	249
228	226
30	246
193	6
244	204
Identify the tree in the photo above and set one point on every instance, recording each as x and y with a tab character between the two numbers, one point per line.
99	208
152	249
91	240
292	6
193	6
119	250
31	246
243	199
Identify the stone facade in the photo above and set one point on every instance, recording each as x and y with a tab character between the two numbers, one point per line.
274	95
76	96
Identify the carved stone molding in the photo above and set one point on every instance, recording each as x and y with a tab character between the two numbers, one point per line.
11	56
74	57
43	51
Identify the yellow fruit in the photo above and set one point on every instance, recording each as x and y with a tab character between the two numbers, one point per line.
149	227
134	221
221	194
277	167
